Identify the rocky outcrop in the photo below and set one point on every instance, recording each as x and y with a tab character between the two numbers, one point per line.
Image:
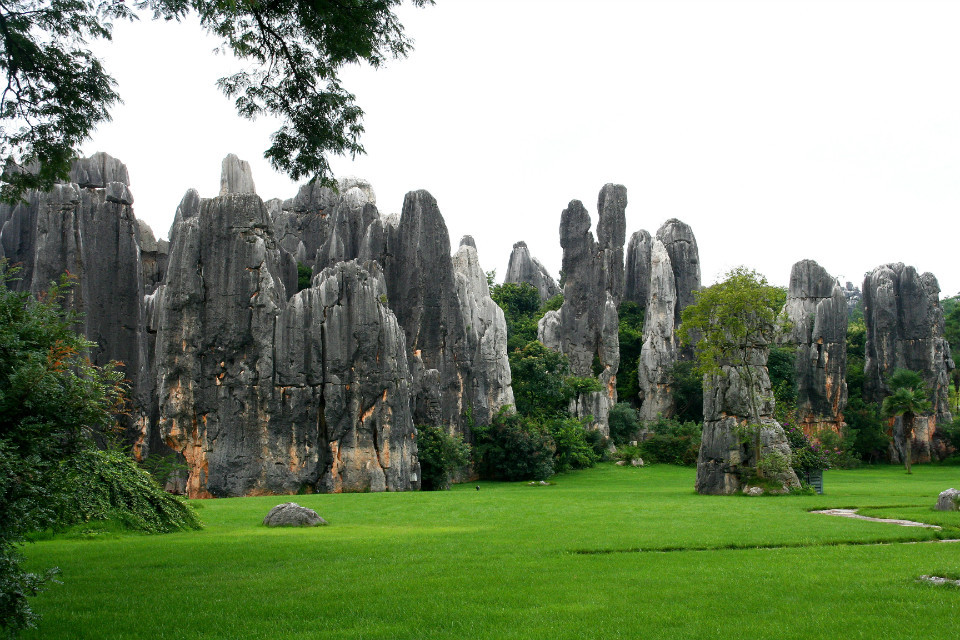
732	400
681	245
853	296
637	271
88	228
262	395
817	311
302	224
948	500
236	177
153	257
905	330
486	332
352	212
523	267
659	351
414	250
588	320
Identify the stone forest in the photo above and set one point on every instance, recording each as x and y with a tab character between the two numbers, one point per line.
262	384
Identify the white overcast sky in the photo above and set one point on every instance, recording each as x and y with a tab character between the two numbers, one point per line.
778	130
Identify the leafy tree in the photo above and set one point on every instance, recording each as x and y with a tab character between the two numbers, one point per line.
687	392
624	423
575	446
57	91
631	342
441	456
538	380
781	365
908	398
521	309
51	396
726	320
513	447
304	276
673	442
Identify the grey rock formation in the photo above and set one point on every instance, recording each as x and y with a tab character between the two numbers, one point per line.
153	257
905	330
948	500
262	395
681	246
290	514
659	351
853	296
588	331
486	331
350	216
302	224
741	395
549	331
817	310
414	250
637	277
89	229
236	177
523	267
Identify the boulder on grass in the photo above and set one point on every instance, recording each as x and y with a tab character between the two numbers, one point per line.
949	500
290	514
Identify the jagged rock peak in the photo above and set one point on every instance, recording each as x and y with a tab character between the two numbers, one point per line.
681	244
468	241
637	279
348	183
236	177
611	209
98	171
659	351
817	311
905	330
523	267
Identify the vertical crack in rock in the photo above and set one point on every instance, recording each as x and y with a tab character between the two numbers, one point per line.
637	269
817	310
905	330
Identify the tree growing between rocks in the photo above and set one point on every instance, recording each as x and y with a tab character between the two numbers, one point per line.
908	398
731	326
57	91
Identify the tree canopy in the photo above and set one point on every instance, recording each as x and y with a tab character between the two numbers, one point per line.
57	91
908	398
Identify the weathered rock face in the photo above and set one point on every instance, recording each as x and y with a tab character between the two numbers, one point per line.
89	229
153	257
302	224
264	396
486	331
741	395
853	296
637	276
236	177
291	514
659	351
905	330
681	246
525	268
948	500
415	253
350	216
817	310
588	320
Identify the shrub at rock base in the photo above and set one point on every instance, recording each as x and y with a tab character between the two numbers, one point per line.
513	448
441	456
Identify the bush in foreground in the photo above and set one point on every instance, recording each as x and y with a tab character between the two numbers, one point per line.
441	456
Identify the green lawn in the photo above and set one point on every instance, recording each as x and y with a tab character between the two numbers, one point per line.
611	552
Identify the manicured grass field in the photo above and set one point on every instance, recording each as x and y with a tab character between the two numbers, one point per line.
611	552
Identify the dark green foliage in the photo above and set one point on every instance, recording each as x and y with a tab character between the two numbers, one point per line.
687	391
108	485
631	342
908	397
781	365
513	447
805	455
521	309
304	276
553	304
51	398
866	434
574	446
441	456
673	442
291	53
951	434
539	376
624	423
162	466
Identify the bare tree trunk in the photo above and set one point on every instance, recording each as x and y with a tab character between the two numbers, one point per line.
907	439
